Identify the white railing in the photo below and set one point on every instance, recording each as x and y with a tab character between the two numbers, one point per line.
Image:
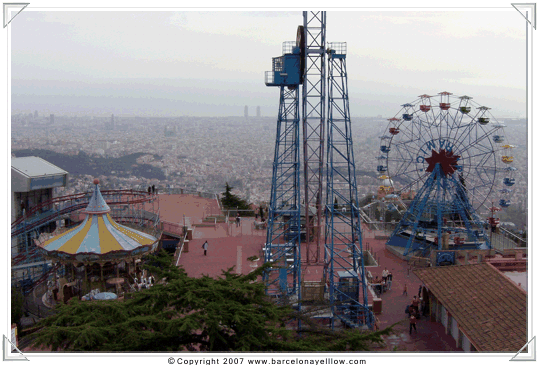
181	248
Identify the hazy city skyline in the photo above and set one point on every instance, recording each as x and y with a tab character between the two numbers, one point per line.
212	63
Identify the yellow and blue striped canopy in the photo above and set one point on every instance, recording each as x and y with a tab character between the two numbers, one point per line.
98	234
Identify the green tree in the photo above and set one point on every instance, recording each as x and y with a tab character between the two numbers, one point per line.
230	313
231	201
17	302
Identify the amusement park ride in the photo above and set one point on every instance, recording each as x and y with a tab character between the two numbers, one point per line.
28	265
450	153
443	153
304	62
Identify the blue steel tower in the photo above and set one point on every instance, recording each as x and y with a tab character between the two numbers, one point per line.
282	246
344	260
313	121
305	63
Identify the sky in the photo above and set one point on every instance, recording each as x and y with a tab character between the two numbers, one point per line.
212	63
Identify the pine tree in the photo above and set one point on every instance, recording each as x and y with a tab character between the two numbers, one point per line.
231	201
230	313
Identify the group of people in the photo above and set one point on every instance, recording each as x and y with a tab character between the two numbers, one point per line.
417	308
383	284
145	282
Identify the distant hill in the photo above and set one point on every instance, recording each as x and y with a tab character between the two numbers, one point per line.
84	164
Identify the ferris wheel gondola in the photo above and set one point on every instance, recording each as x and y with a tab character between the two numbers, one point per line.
456	125
452	155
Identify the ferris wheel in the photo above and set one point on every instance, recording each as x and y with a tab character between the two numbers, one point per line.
459	135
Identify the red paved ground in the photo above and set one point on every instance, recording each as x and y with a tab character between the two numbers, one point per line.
430	336
230	246
173	208
225	249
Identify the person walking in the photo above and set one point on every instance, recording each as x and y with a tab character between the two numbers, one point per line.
405	290
205	247
238	220
385	275
412	323
415	303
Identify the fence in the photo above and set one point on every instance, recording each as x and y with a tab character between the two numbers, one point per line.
174	228
186	191
180	249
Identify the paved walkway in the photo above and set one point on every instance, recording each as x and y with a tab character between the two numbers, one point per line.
431	336
230	246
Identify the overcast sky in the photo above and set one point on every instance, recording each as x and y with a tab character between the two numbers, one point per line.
213	62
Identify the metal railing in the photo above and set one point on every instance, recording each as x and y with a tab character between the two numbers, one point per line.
287	47
338	47
269	77
520	241
182	191
504	239
181	248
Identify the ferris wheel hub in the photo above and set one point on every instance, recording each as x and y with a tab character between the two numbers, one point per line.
446	159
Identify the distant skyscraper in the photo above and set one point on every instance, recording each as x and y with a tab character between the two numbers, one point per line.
112	121
36	115
51	118
246	114
258	112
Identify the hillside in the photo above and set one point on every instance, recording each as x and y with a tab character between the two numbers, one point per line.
90	165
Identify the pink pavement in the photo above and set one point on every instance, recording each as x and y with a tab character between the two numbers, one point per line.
173	208
431	336
231	246
225	250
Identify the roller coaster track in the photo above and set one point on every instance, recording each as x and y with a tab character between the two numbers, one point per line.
21	225
50	210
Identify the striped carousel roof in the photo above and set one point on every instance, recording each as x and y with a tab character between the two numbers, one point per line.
98	233
97	204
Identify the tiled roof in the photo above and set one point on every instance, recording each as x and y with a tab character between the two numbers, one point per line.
489	309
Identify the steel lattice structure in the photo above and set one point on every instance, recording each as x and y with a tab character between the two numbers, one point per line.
283	235
344	261
344	277
449	155
313	120
282	246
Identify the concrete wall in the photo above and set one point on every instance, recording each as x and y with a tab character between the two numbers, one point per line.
444	318
462	254
465	343
19	182
438	313
454	331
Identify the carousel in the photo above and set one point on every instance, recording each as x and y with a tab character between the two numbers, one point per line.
94	253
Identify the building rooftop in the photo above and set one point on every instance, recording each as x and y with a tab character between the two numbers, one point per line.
34	166
491	310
